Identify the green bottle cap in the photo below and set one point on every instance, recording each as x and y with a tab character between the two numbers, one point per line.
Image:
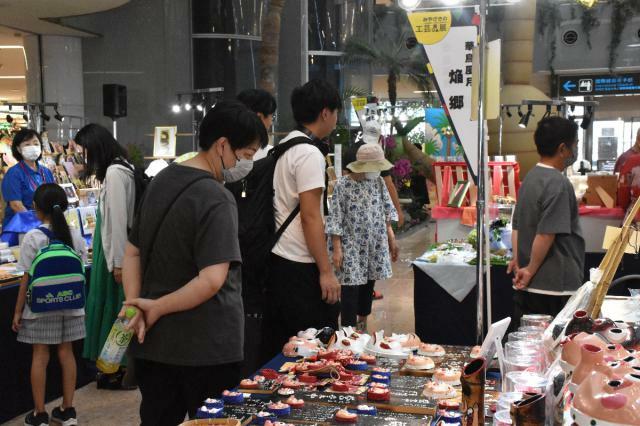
130	312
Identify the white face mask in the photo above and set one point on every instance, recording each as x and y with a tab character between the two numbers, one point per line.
31	152
372	175
238	172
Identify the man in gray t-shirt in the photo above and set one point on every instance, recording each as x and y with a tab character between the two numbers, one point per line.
547	241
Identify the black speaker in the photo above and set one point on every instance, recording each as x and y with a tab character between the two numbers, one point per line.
114	100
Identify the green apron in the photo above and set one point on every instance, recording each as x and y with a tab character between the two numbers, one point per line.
104	300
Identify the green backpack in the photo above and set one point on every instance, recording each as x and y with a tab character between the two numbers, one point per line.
56	278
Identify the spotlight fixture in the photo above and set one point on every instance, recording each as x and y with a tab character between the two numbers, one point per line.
409	4
188	105
177	106
559	110
548	112
508	111
524	121
9	119
10	107
200	106
44	116
57	115
586	119
25	118
520	112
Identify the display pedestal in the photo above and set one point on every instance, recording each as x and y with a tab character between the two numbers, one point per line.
440	318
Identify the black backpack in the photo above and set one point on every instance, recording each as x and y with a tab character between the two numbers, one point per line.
141	181
256	222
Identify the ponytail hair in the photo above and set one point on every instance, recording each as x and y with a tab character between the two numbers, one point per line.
51	200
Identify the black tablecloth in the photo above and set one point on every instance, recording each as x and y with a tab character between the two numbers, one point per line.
15	365
440	318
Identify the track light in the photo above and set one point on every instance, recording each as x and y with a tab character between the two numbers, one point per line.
509	112
586	120
57	116
9	119
10	107
188	105
25	118
524	121
409	4
520	112
44	116
177	106
548	112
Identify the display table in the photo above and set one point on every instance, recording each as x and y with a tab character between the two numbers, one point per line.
456	223
406	405
15	363
440	318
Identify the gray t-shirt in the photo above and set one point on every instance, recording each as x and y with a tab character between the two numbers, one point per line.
200	230
547	205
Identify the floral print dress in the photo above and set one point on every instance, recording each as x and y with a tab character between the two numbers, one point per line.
358	213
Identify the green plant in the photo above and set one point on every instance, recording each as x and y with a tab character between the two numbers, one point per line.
623	11
136	157
589	21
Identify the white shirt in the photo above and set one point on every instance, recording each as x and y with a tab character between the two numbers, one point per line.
33	241
300	169
262	153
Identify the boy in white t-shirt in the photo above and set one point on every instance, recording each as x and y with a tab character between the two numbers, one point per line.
302	290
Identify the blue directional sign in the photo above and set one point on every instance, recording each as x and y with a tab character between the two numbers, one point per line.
602	84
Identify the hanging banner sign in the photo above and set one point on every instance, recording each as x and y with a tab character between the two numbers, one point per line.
359	105
448	41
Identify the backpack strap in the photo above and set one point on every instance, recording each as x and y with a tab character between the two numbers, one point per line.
47	232
277	152
166	213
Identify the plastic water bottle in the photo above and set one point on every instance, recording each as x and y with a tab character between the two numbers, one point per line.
116	344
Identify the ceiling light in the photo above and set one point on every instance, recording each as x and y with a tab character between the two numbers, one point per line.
177	106
451	2
57	116
586	119
524	121
409	4
200	107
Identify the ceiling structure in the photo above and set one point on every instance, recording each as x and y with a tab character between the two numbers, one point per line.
39	16
19	18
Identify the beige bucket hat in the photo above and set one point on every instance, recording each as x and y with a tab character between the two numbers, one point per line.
369	158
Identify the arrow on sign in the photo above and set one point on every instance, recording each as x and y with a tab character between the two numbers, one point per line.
568	85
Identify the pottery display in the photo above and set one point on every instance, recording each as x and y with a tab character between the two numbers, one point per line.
297	346
581	322
419	362
592	359
529	411
473	383
601	401
409	341
572	349
383	347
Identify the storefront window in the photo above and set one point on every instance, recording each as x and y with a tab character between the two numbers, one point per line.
332	22
243	17
231	64
326	68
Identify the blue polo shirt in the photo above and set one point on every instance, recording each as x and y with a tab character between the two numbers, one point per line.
19	184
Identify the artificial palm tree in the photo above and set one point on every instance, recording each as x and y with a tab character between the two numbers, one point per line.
269	49
391	55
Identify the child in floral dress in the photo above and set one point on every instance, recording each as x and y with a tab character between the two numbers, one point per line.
361	241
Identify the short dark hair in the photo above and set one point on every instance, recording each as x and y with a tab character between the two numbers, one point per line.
308	101
234	121
101	149
23	135
552	132
258	101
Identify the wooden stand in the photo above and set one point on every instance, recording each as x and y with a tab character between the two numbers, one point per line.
610	263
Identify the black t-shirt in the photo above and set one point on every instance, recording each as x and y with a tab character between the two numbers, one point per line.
200	230
349	156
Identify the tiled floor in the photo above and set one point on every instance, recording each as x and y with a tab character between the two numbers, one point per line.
394	313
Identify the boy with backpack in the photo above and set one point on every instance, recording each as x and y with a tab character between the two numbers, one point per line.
302	289
50	305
